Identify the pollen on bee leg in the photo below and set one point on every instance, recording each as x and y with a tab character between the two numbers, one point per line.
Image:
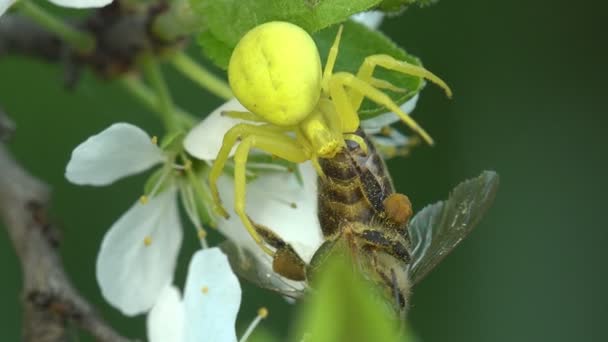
147	241
398	208
262	313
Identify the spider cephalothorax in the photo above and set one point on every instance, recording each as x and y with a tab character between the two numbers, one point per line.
301	112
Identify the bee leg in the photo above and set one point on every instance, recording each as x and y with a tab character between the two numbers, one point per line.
381	241
285	260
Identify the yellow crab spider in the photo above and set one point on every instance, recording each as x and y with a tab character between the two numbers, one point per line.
301	112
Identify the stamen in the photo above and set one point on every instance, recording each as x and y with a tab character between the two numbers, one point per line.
205	289
143	199
154	140
262	313
202	236
147	241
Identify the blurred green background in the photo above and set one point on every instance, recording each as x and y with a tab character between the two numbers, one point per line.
528	81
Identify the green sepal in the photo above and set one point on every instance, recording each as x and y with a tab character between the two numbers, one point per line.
153	180
201	194
173	141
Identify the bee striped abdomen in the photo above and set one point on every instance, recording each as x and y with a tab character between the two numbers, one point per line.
354	189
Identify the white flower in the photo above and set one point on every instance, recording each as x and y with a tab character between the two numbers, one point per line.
209	308
371	19
138	253
5	4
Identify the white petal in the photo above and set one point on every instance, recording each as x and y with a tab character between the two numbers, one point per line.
119	151
373	125
165	322
4	5
212	298
205	139
269	199
81	3
132	275
371	19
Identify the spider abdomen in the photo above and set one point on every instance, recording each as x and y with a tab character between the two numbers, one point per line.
275	72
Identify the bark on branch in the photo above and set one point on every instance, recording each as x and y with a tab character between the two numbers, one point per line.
50	301
121	32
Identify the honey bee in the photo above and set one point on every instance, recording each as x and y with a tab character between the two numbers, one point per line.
360	212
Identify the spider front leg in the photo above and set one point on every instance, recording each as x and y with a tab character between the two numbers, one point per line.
366	71
230	139
274	143
344	107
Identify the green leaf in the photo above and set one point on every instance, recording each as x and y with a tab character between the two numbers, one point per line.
400	5
229	20
358	42
438	228
217	51
344	307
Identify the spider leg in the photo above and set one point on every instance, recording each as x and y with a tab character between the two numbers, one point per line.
230	139
382	84
248	116
371	62
360	141
271	142
331	61
341	80
314	159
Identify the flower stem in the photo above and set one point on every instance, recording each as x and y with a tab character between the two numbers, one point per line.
165	103
191	69
79	40
141	92
202	194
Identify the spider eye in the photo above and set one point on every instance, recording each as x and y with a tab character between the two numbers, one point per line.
275	72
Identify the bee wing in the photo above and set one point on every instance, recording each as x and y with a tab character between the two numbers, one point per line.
439	227
257	269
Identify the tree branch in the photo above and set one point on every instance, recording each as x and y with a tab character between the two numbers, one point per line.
49	299
122	33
